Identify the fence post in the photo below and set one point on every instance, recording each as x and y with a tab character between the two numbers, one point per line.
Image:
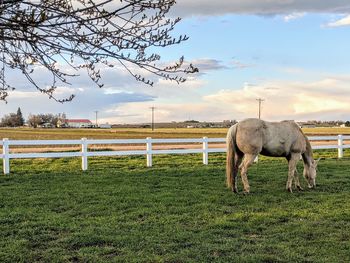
6	158
84	159
149	151
340	146
205	150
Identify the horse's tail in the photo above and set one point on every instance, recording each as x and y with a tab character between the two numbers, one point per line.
230	155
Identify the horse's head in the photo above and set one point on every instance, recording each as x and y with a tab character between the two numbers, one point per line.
310	173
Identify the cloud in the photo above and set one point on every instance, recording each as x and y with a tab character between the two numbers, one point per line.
207	64
164	112
116	77
185	8
345	21
120	88
323	99
240	65
293	16
87	100
88	96
288	100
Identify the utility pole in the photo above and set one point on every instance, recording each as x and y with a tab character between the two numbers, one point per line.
153	108
260	101
96	111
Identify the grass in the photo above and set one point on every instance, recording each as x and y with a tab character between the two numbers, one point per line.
177	211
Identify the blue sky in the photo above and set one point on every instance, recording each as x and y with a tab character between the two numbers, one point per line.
292	54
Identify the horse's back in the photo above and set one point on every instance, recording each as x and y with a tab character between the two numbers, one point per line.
269	138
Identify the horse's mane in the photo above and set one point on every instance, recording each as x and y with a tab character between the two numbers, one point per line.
308	155
307	142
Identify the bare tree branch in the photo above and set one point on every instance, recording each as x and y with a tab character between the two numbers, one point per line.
85	34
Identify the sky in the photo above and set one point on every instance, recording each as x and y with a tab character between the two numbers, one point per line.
293	54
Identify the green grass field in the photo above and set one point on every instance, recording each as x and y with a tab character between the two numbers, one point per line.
177	211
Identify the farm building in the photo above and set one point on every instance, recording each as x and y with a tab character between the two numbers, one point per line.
105	126
46	125
75	123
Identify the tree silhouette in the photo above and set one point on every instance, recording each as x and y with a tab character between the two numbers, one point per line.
85	34
20	119
12	119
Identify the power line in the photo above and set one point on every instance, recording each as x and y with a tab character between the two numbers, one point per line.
260	100
153	108
96	111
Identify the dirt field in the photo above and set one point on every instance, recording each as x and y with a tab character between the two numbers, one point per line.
56	134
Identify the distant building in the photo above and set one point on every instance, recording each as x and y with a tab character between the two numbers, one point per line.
75	123
46	125
105	126
61	123
307	125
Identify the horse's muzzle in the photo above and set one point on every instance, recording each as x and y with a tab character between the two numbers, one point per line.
312	184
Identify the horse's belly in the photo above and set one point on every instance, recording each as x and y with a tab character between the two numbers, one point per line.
274	151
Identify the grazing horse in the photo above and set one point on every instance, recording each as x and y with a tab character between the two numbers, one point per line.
251	137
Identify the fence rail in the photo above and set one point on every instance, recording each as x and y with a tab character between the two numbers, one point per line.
148	142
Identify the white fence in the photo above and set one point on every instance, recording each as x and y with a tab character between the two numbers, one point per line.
149	152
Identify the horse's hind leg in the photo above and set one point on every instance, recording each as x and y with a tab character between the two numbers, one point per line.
237	162
247	161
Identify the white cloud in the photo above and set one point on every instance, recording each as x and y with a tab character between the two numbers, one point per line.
116	77
305	103
345	21
185	8
120	88
293	16
323	99
288	9
86	101
208	64
164	112
288	100
120	91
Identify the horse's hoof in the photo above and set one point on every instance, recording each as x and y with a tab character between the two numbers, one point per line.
300	188
246	192
234	190
289	189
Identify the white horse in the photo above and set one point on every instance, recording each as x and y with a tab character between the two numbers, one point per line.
251	137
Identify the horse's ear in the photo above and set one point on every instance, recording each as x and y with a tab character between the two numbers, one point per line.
316	161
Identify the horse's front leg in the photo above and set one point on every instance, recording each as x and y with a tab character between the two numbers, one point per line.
296	180
292	163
